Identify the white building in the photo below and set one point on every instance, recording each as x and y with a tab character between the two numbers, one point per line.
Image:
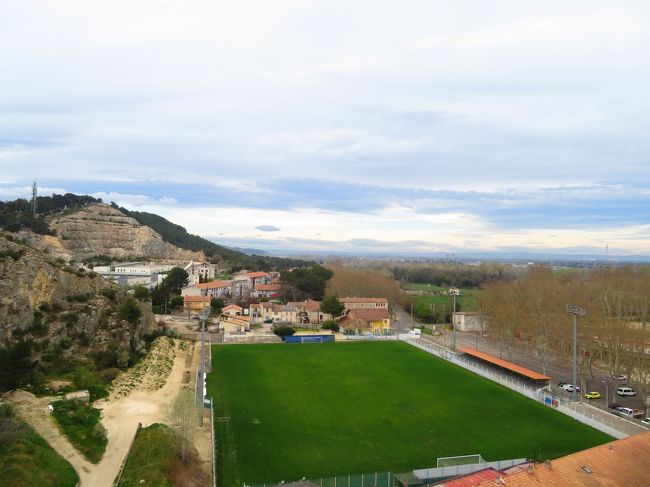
470	321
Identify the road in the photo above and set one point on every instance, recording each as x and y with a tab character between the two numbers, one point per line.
558	369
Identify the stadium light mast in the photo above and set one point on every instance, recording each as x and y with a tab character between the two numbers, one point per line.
575	311
454	292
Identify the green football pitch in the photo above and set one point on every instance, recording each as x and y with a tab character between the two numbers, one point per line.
283	412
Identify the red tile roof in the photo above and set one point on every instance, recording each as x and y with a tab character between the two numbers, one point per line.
472	479
253	275
311	305
196	299
369	314
233	306
267	287
214	284
504	363
620	463
363	300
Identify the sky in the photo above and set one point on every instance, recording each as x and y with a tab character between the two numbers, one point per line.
411	127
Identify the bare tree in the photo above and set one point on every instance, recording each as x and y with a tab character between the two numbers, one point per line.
184	417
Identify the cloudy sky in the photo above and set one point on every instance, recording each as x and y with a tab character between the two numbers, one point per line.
411	126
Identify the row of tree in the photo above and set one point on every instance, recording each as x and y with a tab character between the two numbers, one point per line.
614	332
454	274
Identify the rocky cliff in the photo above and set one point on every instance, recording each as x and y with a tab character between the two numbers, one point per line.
100	229
62	309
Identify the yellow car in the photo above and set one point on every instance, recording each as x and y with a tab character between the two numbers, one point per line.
592	395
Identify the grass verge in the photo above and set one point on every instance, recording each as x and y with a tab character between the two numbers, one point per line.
82	426
26	459
155	459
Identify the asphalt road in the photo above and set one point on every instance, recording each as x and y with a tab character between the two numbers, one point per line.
558	369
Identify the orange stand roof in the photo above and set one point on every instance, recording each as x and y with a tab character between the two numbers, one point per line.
531	374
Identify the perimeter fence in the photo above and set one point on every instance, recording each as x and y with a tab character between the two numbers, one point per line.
604	421
376	479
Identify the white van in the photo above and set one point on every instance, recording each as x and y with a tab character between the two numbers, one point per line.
625	391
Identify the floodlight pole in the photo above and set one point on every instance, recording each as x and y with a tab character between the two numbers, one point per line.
575	311
455	293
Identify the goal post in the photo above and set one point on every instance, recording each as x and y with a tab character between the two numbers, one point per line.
460	460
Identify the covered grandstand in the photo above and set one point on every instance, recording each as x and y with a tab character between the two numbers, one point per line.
529	377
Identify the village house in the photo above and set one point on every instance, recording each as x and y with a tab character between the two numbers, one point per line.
195	304
232	310
245	282
265	291
229	323
213	289
201	271
366	320
364	303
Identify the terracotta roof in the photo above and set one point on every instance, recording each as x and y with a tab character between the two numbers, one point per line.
214	284
363	300
233	306
368	314
623	462
472	479
504	363
312	305
253	275
267	287
196	299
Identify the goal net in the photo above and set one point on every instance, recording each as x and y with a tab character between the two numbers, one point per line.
308	339
460	460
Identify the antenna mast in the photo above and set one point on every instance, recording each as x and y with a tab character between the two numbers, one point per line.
34	193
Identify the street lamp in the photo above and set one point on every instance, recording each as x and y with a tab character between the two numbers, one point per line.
454	292
575	311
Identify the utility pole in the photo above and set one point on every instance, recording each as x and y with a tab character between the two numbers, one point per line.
454	292
575	311
202	316
34	194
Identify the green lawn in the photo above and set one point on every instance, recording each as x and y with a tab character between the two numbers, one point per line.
288	411
151	457
27	460
466	302
82	425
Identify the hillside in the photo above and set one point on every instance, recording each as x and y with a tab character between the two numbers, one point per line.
54	317
80	228
179	236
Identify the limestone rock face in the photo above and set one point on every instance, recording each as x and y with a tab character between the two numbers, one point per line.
51	302
102	230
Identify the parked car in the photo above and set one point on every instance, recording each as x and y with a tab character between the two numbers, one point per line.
561	383
625	412
621	378
625	391
646	421
569	387
613	405
592	395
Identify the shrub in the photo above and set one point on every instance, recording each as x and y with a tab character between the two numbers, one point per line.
331	325
129	311
283	331
109	294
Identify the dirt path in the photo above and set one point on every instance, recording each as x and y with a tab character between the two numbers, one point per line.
120	417
34	410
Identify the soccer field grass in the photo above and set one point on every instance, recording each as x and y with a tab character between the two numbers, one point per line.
287	411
